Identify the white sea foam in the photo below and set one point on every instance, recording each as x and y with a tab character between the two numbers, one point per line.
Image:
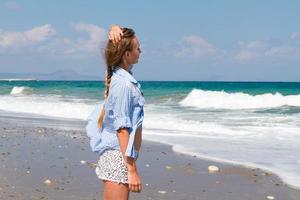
223	124
223	100
271	154
53	106
18	79
19	90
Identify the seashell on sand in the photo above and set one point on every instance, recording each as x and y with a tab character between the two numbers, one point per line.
270	197
47	182
213	169
162	192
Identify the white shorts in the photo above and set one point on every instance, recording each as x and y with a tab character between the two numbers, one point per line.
111	167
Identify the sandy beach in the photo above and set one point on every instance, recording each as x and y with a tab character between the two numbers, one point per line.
46	159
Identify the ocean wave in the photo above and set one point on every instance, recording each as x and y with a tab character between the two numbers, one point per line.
21	90
280	127
222	100
50	105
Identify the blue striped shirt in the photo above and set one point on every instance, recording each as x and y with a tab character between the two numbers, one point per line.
123	109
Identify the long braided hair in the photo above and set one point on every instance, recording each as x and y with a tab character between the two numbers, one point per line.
113	58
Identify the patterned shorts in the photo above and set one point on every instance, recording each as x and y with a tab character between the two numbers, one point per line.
111	167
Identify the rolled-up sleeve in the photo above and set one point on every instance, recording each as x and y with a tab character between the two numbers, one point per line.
122	107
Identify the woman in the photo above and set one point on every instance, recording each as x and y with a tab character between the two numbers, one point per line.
120	121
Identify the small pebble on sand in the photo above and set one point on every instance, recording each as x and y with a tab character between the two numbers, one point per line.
267	174
147	165
168	167
213	169
270	197
47	182
28	172
82	161
162	192
93	165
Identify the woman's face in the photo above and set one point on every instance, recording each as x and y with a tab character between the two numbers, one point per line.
134	54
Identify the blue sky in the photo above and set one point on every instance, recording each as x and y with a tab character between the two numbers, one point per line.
212	40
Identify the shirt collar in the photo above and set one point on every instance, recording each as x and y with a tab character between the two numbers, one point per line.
127	75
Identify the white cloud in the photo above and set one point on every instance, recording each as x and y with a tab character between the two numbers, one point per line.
244	56
83	45
252	45
283	51
295	35
268	51
249	51
195	46
12	5
93	42
32	36
86	41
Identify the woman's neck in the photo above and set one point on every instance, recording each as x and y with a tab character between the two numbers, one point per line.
126	66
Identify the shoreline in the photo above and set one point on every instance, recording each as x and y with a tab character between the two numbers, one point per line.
238	164
32	153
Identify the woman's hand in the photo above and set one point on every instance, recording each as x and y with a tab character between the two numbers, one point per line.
134	181
115	34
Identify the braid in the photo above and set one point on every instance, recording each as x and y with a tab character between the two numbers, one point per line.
109	72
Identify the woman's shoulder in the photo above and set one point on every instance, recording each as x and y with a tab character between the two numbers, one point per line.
121	82
120	86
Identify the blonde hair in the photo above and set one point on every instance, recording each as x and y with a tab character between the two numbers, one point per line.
113	58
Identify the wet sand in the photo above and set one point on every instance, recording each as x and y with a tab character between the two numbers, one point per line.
44	161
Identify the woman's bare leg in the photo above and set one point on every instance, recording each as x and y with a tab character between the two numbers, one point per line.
115	191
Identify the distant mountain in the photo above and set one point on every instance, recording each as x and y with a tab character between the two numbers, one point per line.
58	75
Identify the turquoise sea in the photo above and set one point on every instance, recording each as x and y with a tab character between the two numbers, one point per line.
256	124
